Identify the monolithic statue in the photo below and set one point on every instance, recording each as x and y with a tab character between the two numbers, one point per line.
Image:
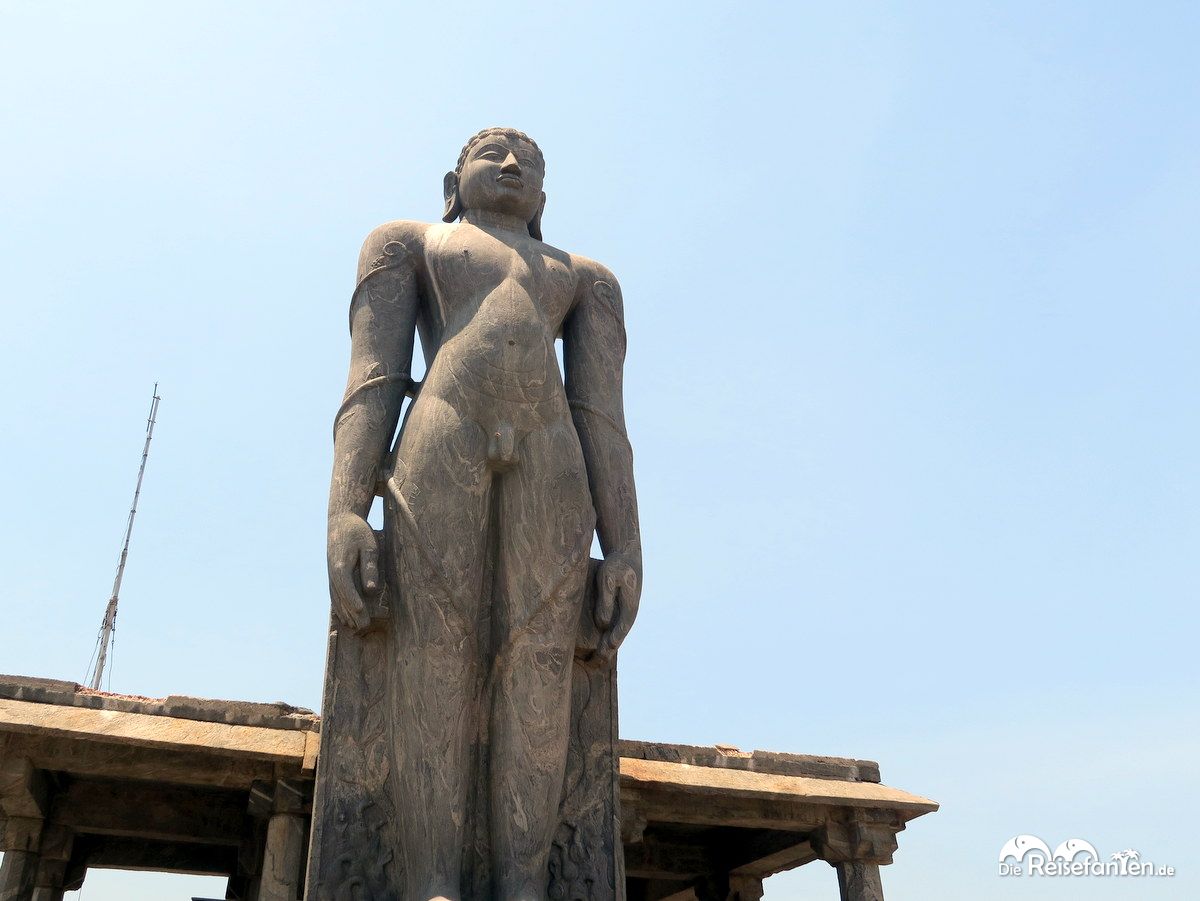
447	720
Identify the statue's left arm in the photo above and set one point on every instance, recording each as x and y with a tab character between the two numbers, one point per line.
594	357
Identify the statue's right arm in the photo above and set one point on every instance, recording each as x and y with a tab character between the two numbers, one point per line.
383	316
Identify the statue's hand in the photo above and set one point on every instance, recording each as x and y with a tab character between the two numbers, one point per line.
618	593
353	568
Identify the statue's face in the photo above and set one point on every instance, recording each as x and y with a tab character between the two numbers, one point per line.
502	174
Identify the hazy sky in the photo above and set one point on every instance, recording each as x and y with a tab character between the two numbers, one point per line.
911	292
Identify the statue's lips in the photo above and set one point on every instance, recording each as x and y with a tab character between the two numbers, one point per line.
513	180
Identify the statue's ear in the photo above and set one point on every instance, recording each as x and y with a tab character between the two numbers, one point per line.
535	224
453	202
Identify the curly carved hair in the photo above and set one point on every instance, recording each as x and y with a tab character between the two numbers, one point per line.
506	132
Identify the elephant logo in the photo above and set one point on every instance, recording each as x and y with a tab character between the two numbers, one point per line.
1021	845
1073	846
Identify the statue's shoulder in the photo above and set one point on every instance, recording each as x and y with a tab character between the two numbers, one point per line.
597	286
590	272
597	293
392	243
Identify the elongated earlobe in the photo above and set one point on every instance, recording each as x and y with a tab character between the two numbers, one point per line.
535	224
453	203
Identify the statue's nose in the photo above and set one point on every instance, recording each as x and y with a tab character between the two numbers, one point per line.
511	165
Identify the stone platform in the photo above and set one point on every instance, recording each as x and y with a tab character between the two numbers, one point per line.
91	779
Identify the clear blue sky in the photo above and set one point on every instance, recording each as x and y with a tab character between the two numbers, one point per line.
912	307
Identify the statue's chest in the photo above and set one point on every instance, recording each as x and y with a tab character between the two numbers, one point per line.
468	264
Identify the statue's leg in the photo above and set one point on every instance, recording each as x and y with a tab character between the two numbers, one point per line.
437	523
546	517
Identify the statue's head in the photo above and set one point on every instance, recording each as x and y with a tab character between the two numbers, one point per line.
501	170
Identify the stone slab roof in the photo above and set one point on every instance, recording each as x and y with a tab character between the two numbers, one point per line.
280	715
252	735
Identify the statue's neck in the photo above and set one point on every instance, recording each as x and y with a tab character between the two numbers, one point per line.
495	220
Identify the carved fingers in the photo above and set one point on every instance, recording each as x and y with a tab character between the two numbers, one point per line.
618	595
368	567
353	569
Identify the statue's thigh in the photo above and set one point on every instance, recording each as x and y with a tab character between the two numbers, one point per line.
547	522
436	520
547	509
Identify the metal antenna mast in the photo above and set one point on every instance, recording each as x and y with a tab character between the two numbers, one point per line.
110	612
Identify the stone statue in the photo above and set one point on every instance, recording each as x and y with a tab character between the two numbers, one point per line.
448	704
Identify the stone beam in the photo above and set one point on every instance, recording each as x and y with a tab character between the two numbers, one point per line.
765	855
152	811
663	859
666	806
112	852
119	761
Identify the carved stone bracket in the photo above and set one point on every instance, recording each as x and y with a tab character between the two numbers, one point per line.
863	836
288	796
24	791
22	834
745	888
633	827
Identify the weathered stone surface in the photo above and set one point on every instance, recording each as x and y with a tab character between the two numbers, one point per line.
449	695
755	761
242	713
712	782
149	730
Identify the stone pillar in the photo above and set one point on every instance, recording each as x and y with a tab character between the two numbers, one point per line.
48	893
22	840
24	801
55	854
283	855
859	881
17	875
283	858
